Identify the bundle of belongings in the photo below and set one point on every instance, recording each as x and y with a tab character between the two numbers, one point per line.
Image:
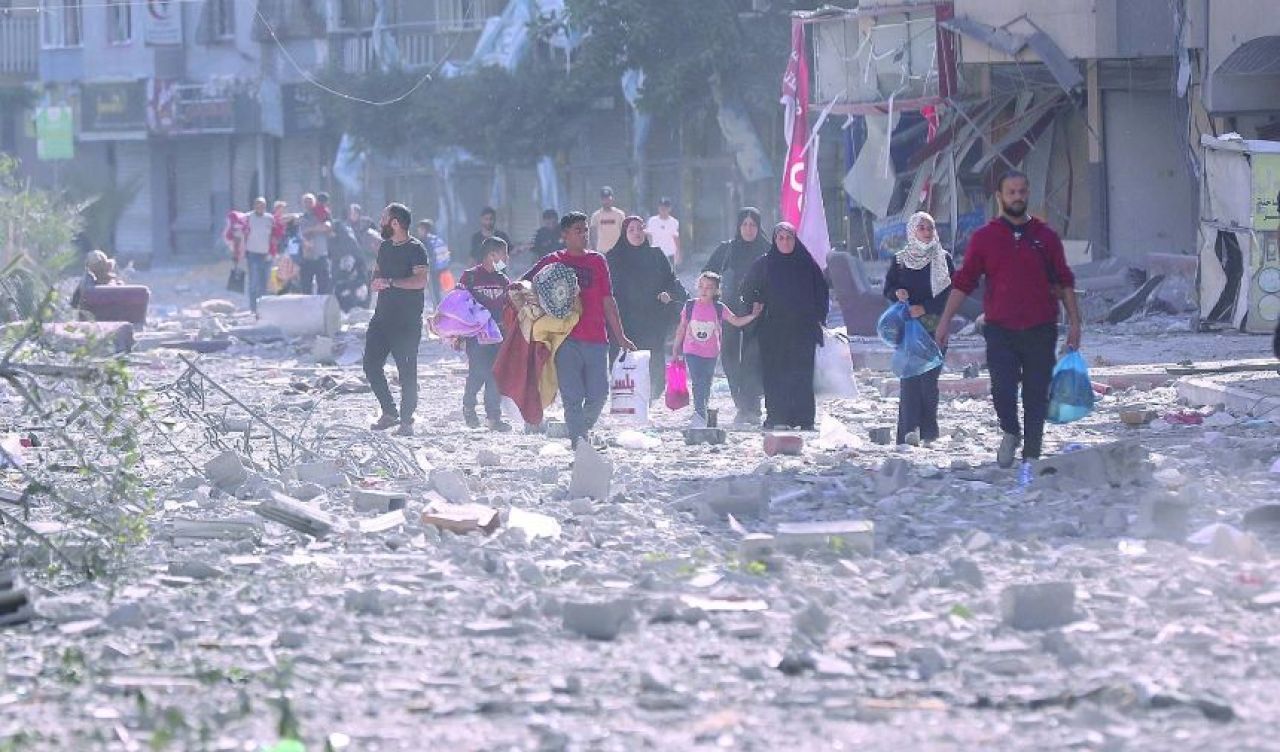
540	318
460	316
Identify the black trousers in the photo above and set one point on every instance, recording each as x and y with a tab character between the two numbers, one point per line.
918	406
1022	357
787	363
480	360
740	356
399	339
313	275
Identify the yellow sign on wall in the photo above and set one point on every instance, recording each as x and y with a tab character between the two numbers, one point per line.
1266	191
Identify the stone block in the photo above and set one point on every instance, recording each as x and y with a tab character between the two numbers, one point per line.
839	536
592	473
297	515
1116	464
1041	605
893	476
1137	417
1164	515
371	501
756	547
462	518
226	471
881	435
744	498
324	473
783	443
452	485
705	436
556	429
597	620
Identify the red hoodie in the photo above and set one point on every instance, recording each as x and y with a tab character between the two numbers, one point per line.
1017	264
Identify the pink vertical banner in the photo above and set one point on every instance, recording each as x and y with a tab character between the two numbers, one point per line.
795	98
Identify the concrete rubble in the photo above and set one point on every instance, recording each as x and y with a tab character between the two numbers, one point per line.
632	595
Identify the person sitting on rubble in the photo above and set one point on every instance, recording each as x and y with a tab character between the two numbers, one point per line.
99	269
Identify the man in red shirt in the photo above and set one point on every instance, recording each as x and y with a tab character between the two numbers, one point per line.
582	361
1027	275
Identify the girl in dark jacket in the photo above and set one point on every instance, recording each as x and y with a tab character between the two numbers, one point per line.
920	276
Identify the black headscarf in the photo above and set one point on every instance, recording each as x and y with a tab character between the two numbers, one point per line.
792	288
733	258
639	274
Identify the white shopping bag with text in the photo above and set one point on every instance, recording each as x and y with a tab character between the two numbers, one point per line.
629	388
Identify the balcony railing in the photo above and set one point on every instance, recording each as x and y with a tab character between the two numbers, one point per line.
420	45
19	45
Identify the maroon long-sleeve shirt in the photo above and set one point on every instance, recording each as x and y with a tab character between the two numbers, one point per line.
1016	262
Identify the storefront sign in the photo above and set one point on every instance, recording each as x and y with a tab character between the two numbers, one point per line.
1266	191
113	108
55	133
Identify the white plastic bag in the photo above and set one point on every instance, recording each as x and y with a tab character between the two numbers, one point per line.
629	388
833	367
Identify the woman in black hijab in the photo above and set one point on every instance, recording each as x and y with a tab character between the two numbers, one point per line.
739	351
648	295
790	285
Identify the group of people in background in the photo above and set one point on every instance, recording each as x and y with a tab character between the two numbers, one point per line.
758	310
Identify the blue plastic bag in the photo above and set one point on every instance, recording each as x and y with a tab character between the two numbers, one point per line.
891	324
1071	391
917	353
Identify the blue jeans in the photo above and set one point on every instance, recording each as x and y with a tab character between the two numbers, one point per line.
701	372
582	369
259	271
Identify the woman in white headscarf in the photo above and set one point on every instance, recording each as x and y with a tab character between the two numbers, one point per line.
920	276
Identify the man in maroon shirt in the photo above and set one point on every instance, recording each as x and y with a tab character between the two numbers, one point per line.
1027	275
582	360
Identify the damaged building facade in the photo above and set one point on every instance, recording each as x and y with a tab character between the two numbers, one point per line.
1111	108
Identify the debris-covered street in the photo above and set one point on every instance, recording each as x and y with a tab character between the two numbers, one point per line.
657	595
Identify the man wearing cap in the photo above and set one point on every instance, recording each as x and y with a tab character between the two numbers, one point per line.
664	232
606	223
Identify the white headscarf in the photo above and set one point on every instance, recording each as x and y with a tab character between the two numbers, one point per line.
918	255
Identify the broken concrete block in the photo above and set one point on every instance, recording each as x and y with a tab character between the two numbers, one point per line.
756	547
94	338
893	476
196	570
1041	605
1137	417
492	628
1264	516
556	429
783	443
226	471
591	473
705	436
383	522
452	485
126	615
1118	463
236	528
533	524
15	600
324	473
881	435
597	620
373	501
1164	516
297	515
322	349
488	458
964	571
462	518
839	536
744	498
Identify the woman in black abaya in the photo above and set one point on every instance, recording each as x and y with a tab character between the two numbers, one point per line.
794	292
648	295
739	351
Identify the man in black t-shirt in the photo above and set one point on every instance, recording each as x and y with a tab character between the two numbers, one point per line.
399	278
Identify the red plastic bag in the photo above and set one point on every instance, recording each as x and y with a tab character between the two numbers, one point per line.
677	385
447	282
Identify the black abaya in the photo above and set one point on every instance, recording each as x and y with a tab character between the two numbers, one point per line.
739	348
639	275
795	297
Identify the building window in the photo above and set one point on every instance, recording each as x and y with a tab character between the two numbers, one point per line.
120	21
63	23
222	18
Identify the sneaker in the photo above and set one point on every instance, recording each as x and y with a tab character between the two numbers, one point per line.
385	422
1024	474
473	420
406	428
1008	445
499	425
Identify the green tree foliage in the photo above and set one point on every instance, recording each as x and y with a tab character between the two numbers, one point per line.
37	228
